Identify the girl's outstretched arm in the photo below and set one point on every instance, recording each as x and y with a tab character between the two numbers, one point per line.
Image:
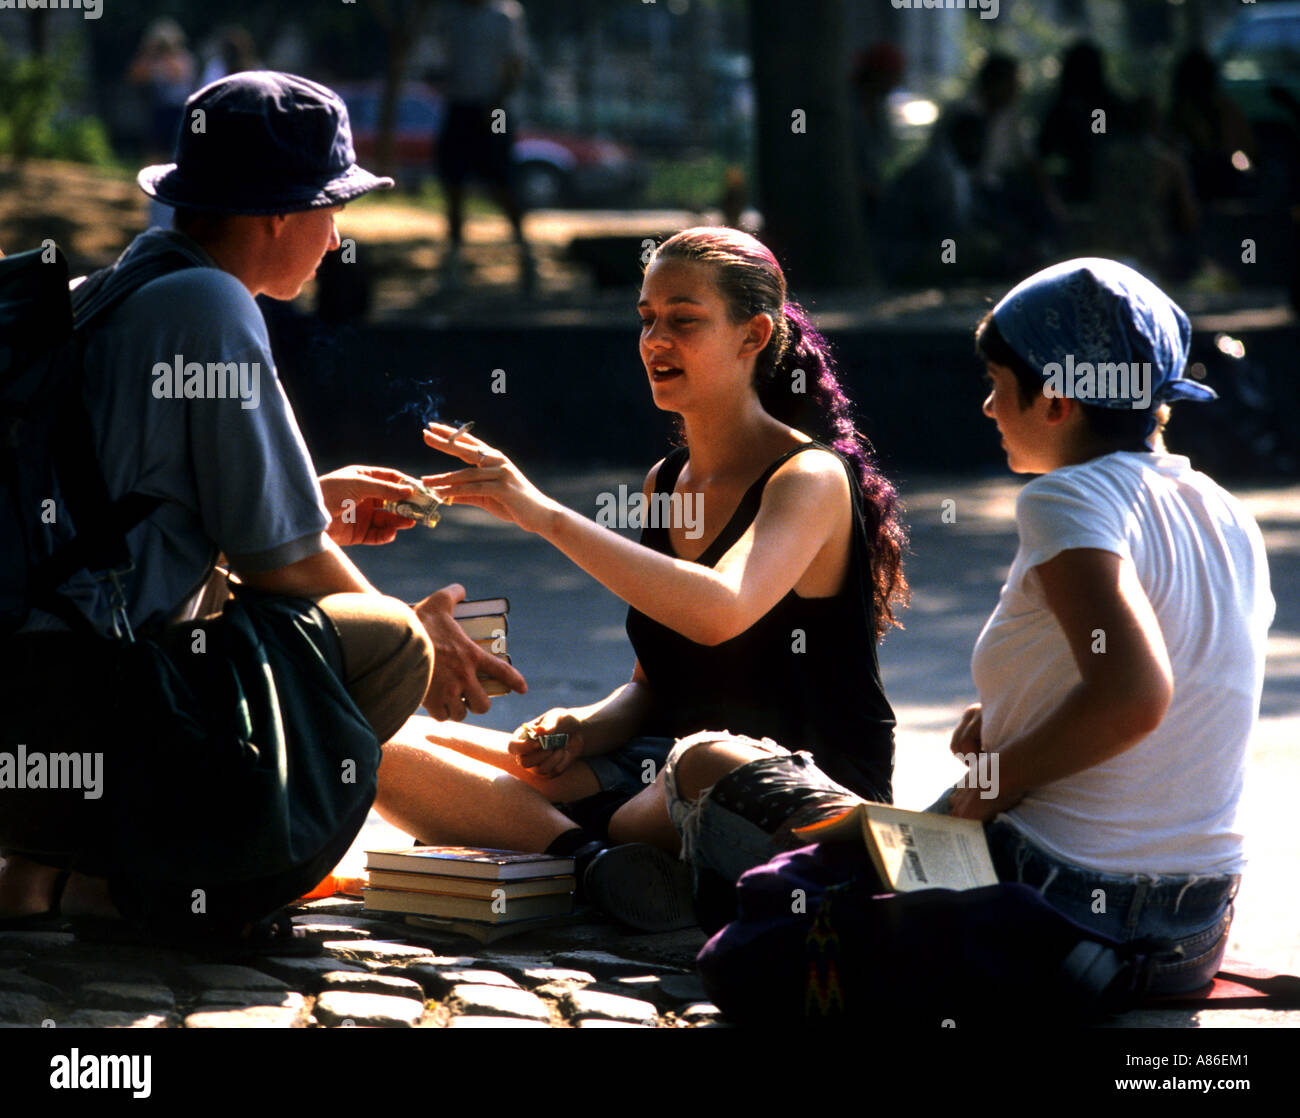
804	503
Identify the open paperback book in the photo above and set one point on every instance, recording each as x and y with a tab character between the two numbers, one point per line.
913	849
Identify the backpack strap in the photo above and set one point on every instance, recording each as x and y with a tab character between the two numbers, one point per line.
156	254
101	523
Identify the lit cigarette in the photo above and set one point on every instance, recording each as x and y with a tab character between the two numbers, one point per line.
464	427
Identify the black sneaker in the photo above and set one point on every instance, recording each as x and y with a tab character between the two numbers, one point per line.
641	886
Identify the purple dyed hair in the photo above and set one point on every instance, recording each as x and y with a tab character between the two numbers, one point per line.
751	282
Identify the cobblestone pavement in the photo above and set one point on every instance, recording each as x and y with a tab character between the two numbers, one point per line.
589	974
370	972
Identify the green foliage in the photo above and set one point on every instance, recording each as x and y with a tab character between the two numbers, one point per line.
79	140
32	125
692	182
29	98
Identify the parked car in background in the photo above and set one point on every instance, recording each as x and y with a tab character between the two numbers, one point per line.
1259	68
1261	48
554	169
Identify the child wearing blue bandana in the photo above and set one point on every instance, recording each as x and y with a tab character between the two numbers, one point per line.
1120	674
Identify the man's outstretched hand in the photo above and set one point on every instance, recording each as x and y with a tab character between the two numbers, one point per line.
354	497
458	660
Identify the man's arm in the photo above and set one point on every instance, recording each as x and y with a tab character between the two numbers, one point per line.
329	571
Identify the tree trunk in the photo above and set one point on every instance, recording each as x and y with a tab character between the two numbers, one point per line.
806	178
386	122
38	27
401	21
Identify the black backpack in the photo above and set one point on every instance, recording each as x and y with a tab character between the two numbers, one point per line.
817	942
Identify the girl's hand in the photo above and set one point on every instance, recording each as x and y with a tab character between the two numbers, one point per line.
495	484
548	763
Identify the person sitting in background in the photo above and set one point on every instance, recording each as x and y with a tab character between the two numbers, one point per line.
1069	135
935	198
1210	131
1021	205
165	70
1146	212
876	73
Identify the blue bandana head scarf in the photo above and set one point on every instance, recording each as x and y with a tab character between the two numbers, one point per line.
1098	331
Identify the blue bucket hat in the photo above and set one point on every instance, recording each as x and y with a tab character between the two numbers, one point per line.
265	143
1094	311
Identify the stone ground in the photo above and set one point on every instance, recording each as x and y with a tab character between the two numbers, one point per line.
590	974
371	973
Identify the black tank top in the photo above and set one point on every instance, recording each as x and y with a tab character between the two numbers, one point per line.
805	674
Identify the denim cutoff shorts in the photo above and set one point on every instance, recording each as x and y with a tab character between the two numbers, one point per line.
747	817
626	770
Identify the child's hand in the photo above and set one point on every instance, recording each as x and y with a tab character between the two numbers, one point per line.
966	737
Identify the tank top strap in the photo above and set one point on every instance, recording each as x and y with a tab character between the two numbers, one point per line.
655	535
766	475
671	469
748	507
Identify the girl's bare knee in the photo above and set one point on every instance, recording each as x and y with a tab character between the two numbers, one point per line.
704	765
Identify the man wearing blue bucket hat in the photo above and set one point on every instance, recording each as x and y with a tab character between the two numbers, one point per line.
264	163
186	407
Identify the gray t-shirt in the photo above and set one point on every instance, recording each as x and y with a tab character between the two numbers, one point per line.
234	472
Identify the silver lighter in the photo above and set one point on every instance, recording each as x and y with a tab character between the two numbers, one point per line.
423	506
548	743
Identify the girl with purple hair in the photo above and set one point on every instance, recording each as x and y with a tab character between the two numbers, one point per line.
760	617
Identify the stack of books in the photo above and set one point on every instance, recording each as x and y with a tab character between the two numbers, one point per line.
464	889
484	621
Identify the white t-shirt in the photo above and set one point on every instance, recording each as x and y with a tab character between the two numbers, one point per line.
1168	804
